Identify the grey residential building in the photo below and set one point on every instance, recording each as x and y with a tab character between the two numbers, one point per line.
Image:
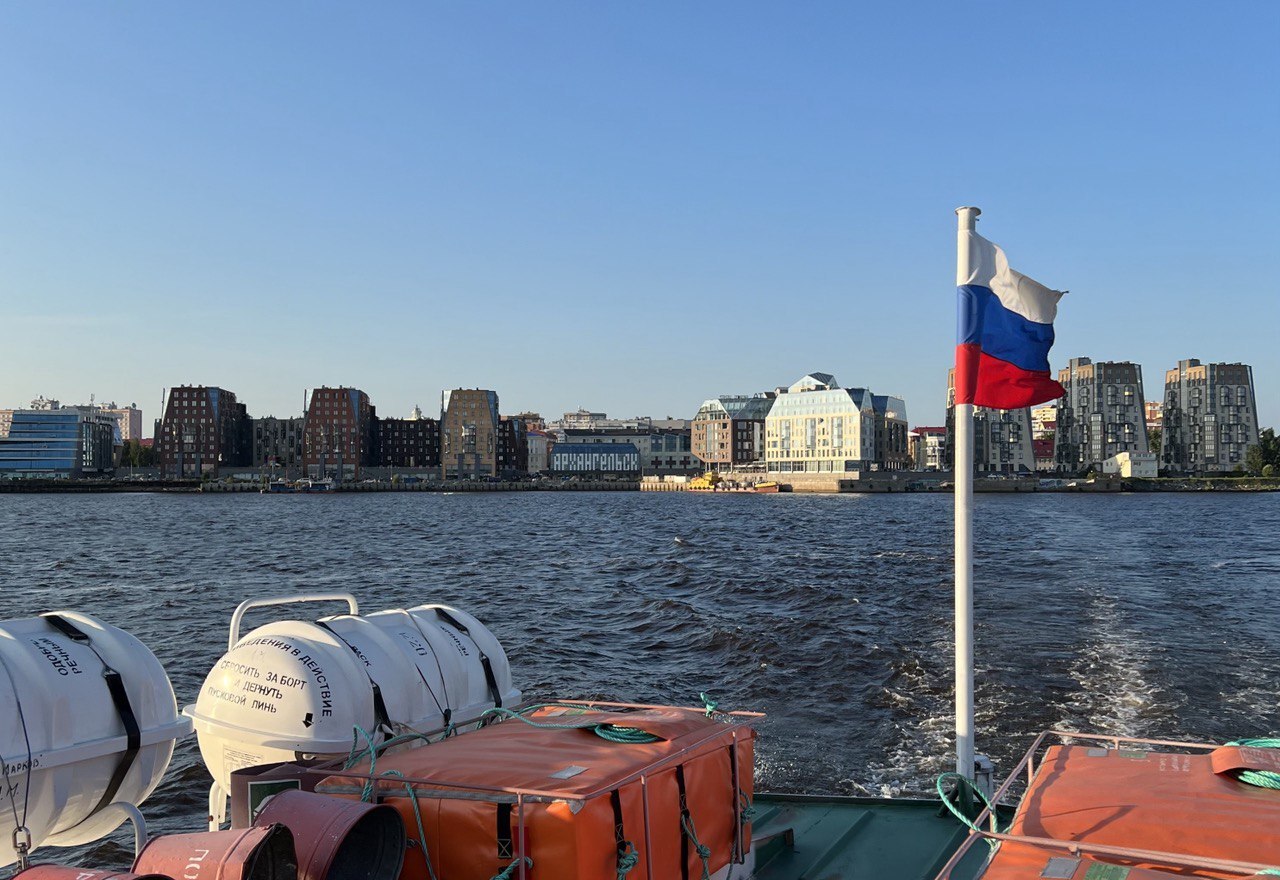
1210	417
1001	437
278	442
1102	414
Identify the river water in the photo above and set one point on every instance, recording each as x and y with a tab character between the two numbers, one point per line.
1139	614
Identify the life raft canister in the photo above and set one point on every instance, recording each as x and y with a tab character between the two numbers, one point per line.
90	719
298	688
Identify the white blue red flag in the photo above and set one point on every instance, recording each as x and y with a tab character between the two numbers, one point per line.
1004	332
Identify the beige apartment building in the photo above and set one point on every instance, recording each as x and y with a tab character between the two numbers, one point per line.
469	424
815	426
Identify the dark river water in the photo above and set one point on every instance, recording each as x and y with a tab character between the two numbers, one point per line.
1139	614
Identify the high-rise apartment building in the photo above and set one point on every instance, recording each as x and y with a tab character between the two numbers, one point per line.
204	428
513	447
728	431
413	442
1044	421
129	418
469	426
1102	414
1210	417
1001	437
891	432
340	433
278	443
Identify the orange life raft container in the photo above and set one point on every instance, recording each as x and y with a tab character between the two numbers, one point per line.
1187	806
562	803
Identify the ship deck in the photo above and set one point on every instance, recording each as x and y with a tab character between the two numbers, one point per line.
807	837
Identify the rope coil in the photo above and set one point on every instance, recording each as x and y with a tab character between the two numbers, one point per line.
611	732
1260	778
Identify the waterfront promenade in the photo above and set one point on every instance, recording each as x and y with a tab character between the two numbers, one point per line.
881	484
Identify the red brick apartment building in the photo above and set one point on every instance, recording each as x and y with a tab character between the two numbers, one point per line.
340	433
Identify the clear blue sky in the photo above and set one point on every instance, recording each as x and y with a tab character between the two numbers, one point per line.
627	207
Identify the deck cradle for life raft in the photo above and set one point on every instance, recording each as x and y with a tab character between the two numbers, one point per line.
1110	808
542	794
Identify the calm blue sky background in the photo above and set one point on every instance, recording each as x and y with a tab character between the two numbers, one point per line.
627	207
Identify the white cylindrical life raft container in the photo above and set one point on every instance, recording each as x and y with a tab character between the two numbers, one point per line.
294	687
474	668
87	718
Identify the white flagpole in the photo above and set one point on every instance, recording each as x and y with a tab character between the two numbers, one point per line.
963	466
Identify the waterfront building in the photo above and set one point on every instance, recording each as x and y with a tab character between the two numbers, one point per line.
929	448
815	426
1132	464
728	431
891	432
469	426
204	428
532	421
664	446
1155	415
340	433
1103	413
1002	438
59	443
278	443
1210	417
539	444
411	442
128	417
1044	421
596	458
513	447
1042	449
580	418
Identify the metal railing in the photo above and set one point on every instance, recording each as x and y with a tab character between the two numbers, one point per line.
1076	847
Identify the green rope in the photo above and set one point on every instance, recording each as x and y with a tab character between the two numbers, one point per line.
509	871
704	852
946	802
628	858
747	811
1260	778
611	732
709	704
417	817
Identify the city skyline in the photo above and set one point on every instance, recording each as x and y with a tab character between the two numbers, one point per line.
576	202
547	414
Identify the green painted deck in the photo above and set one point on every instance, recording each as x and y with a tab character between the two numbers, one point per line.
806	837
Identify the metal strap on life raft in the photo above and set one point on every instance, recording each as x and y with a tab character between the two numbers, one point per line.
119	698
490	679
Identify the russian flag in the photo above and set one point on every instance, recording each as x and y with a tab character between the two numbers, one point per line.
1005	331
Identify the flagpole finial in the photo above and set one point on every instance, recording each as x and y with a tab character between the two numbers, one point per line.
968	216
